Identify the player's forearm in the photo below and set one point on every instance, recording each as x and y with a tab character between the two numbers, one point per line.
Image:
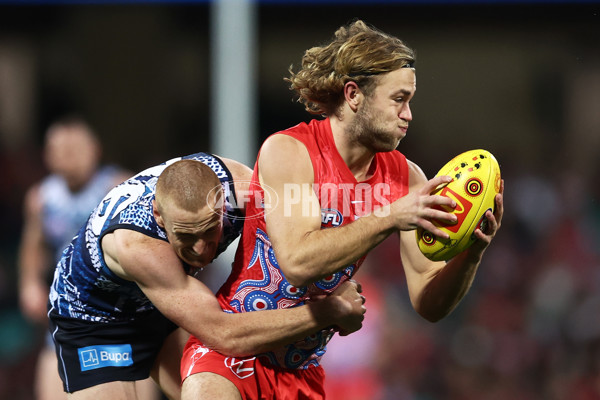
33	287
446	289
243	334
32	264
320	253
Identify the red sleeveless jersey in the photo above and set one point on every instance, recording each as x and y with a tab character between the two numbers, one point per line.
257	283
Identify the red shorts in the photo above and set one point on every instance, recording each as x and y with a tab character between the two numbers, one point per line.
253	378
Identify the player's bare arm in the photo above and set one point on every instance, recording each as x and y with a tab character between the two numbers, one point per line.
307	253
186	301
436	288
33	260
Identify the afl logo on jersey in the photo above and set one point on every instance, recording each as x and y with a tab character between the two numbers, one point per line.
331	218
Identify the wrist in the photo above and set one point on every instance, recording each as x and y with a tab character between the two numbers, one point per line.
324	310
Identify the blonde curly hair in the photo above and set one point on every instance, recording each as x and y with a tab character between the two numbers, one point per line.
356	53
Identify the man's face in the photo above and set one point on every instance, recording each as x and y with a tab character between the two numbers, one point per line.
194	236
71	152
382	119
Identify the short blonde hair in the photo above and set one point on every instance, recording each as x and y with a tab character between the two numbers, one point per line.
356	53
186	184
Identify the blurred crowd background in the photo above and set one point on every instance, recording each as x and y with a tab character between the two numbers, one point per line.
520	79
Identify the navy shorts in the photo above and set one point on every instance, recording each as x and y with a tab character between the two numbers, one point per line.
91	353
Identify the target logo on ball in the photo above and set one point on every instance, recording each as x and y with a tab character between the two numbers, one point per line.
474	187
428	238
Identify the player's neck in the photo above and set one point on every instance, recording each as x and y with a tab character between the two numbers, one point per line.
357	157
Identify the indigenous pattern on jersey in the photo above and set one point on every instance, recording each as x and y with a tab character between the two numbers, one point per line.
257	282
84	287
64	211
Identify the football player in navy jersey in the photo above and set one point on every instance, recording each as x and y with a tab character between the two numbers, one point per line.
124	284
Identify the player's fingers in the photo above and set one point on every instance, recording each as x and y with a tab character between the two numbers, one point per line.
428	226
348	332
436	183
486	233
441	216
499	200
482	237
494	219
358	285
491	226
440	201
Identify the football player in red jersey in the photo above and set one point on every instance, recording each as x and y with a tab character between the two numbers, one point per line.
344	169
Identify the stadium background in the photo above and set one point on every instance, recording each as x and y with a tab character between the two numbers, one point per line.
521	79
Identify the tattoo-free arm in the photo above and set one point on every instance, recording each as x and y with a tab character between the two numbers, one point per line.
153	265
307	253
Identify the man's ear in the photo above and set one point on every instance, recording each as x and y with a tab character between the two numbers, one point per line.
353	95
157	216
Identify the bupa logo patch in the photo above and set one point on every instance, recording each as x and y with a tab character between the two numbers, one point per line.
100	356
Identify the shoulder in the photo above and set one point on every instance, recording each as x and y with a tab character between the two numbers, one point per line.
239	171
283	153
118	174
416	176
108	176
295	137
289	154
241	175
281	141
51	186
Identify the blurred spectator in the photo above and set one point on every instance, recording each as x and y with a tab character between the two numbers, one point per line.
54	209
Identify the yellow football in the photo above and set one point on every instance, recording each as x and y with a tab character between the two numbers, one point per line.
476	181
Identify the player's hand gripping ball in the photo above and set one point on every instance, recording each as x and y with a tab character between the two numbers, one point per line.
476	182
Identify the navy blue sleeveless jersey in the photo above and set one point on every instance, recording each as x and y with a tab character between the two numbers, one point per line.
84	287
